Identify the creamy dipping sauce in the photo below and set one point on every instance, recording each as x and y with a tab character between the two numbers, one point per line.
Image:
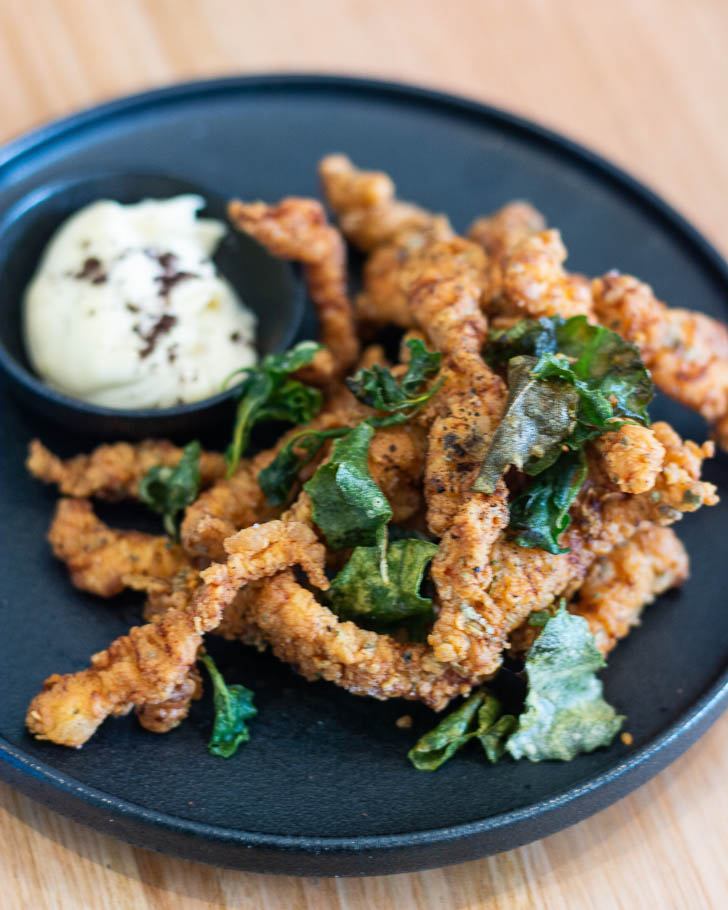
127	310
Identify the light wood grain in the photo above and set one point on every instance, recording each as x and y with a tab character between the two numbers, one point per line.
642	81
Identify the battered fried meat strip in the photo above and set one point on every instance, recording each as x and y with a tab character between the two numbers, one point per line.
535	284
113	471
318	645
619	586
165	716
148	665
501	232
686	352
368	212
631	457
297	229
99	557
397	461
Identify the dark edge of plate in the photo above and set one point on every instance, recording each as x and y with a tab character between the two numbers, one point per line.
383	854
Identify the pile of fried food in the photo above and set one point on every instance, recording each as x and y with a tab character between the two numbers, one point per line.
398	466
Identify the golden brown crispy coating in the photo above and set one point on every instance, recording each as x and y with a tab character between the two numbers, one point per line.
99	557
297	229
619	586
113	471
500	233
148	665
686	352
535	284
632	457
365	205
318	645
165	716
397	461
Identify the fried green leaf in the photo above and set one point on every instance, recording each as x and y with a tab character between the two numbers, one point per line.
348	506
379	389
278	478
478	717
538	416
266	392
565	713
168	490
233	707
541	512
361	594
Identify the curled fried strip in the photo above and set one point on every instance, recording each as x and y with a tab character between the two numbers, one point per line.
297	229
631	457
365	205
166	715
113	471
619	586
318	645
534	282
500	233
686	352
148	665
99	557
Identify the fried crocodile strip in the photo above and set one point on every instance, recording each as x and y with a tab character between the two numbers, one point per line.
686	352
526	580
318	645
619	586
477	617
148	665
631	457
113	471
365	205
297	229
99	557
534	282
500	232
166	715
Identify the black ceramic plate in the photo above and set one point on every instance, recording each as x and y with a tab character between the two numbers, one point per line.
324	786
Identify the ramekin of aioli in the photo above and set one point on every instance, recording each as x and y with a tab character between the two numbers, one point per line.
127	309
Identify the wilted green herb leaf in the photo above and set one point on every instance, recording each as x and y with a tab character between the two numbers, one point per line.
538	416
267	393
168	490
565	712
541	512
277	480
348	506
436	747
478	717
233	706
360	593
379	389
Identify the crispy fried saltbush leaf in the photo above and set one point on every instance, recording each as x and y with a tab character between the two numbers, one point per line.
537	417
348	506
360	593
565	712
233	706
541	512
379	389
277	480
478	717
267	393
168	490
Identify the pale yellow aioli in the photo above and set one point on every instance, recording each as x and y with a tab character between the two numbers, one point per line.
127	309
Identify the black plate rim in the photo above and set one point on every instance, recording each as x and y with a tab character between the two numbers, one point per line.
43	782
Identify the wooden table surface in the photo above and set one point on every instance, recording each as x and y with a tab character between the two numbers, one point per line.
642	81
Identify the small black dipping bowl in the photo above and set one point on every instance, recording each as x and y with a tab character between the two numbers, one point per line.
266	285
